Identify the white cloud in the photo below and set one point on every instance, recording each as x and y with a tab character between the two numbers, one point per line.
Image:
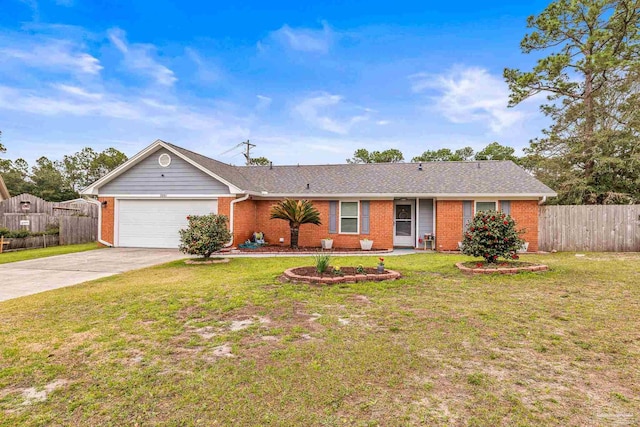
138	58
77	91
263	102
304	39
318	111
52	55
206	71
470	95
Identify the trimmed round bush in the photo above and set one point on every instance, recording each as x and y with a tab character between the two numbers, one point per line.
492	235
205	235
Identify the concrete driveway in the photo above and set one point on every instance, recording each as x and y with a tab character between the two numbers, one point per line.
31	277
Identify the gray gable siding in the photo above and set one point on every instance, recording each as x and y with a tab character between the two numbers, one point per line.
179	177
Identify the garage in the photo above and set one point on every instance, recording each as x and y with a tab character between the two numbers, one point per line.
155	223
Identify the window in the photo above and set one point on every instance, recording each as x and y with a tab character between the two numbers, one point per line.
349	213
485	206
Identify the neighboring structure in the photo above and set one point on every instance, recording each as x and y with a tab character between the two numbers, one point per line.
28	212
4	192
146	200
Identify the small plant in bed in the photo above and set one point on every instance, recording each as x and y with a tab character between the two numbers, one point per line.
322	262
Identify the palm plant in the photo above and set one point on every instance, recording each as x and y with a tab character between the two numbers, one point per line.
297	212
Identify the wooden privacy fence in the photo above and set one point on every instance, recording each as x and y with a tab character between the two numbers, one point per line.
77	229
589	228
28	212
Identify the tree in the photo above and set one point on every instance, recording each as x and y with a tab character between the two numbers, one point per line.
589	72
205	235
2	147
87	166
363	155
48	182
297	213
445	155
492	235
495	151
259	161
16	176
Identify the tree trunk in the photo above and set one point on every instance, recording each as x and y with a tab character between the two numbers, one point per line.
295	231
590	127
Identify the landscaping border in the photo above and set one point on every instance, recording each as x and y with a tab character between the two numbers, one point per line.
501	270
290	276
207	262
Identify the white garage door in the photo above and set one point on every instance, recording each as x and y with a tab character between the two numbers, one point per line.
155	223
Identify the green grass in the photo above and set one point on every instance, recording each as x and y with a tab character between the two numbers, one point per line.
45	252
434	348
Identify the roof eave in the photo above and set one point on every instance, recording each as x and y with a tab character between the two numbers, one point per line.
418	195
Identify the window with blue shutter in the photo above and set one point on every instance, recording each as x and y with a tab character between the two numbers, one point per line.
467	213
364	214
333	217
505	206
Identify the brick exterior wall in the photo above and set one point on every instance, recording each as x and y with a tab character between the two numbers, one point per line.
108	219
253	215
525	213
448	224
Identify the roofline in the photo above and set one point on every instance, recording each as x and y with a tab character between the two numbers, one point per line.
92	189
393	195
4	191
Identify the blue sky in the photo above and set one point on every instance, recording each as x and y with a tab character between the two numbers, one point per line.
307	84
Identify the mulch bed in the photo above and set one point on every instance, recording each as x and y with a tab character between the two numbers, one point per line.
307	249
348	275
504	267
346	271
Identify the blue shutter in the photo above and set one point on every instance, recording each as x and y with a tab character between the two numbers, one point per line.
505	206
364	214
467	213
333	217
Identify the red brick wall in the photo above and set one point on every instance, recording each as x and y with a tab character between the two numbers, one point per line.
525	213
448	224
108	216
253	215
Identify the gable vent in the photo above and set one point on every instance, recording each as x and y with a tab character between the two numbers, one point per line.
164	160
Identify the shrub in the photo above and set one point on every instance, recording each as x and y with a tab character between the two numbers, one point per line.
19	234
322	262
491	235
4	232
205	235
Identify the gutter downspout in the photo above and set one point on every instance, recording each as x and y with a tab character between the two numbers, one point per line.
541	202
99	205
233	202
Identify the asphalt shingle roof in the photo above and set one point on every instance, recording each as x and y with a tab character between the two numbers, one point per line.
445	178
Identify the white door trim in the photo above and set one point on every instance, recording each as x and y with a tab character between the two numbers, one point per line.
405	240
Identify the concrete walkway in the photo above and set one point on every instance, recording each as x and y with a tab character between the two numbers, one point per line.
38	275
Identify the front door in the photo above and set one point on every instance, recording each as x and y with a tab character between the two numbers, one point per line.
404	223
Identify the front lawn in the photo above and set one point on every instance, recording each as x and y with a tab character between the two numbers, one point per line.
228	344
26	254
